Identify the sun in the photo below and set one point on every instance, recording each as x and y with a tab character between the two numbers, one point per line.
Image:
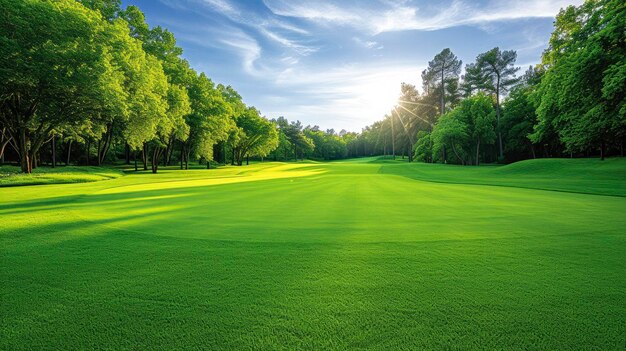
379	95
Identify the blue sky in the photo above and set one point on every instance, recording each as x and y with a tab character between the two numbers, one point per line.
339	64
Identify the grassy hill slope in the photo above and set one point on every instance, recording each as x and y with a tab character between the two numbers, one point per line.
590	176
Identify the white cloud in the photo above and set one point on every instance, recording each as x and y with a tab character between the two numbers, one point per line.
228	38
400	16
247	48
312	10
250	20
300	49
368	44
346	97
222	6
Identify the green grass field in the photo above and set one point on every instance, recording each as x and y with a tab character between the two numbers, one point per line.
11	176
362	254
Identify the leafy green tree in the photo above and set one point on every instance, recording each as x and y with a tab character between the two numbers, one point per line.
451	131
482	119
109	9
499	71
583	92
210	120
284	145
136	21
327	145
255	136
442	71
57	71
519	117
144	91
413	114
466	128
423	147
173	126
301	143
473	81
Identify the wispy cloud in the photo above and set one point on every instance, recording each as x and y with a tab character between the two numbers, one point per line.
270	28
247	48
368	44
349	95
402	16
222	6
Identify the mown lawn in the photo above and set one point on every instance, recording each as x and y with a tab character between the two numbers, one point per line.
366	254
11	176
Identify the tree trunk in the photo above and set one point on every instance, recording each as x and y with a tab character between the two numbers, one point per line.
135	159
144	156
3	146
443	90
224	152
88	147
393	139
98	152
54	151
498	118
156	156
602	150
25	163
532	149
106	144
477	151
187	155
168	150
182	154
457	155
127	153
69	152
247	160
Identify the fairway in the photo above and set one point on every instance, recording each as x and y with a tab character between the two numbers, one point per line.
359	254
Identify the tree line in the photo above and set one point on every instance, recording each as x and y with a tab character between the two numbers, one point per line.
571	104
92	77
87	82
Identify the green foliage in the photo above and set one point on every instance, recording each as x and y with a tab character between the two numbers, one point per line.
57	70
582	95
89	71
451	131
465	128
423	147
327	145
109	9
210	120
441	78
518	120
254	135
